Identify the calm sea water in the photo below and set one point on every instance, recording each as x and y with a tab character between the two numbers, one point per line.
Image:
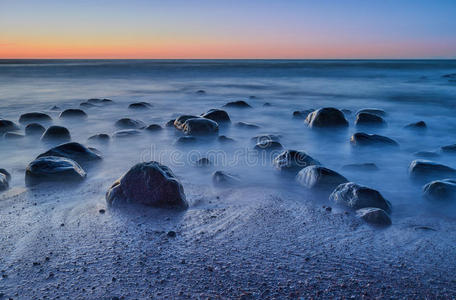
408	91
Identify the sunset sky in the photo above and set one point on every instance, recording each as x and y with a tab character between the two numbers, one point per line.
228	29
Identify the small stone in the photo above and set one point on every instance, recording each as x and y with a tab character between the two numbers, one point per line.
171	233
102	211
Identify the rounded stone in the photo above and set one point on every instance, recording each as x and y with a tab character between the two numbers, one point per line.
53	169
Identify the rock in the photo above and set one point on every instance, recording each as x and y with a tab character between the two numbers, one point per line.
292	160
217	115
13	136
449	149
265	137
100	101
237	104
171	233
440	189
101	138
7	125
6	173
148	183
154	128
73	151
361	139
357	196
266	145
201	92
179	122
426	154
54	108
449	76
302	114
220	178
266	104
140	105
87	105
326	118
73	113
320	178
127	123
34	117
170	123
126	133
420	125
225	139
4	185
374	215
200	126
185	140
203	162
426	169
247	125
53	169
34	129
56	134
374	111
361	167
367	119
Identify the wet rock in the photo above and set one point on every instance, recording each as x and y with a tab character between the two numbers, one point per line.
34	117
101	138
292	160
56	134
203	162
320	178
73	113
374	215
420	125
126	133
425	169
171	233
4	185
220	178
225	139
201	92
217	115
7	125
53	169
34	129
87	105
127	123
6	173
326	118
237	104
13	136
100	101
450	149
267	104
200	126
170	123
374	111
361	139
268	145
154	128
357	196
367	119
74	151
440	189
148	183
140	105
266	137
361	167
426	154
186	140
245	125
179	122
302	114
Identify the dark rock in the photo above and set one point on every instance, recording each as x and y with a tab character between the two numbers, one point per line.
34	117
362	139
238	104
7	125
302	114
426	169
426	154
34	129
449	149
127	123
367	119
148	183
266	104
268	146
100	101
225	139
73	151
87	105
171	233
326	118
107	101
54	108
320	178
420	125
292	160
140	105
56	134
374	111
6	173
73	113
185	140
252	97
13	136
247	125
220	178
170	123
217	115
101	138
374	215
4	185
265	137
200	126
361	167
53	169
440	189
154	128
357	196
126	133
179	122
101	211
201	92
203	162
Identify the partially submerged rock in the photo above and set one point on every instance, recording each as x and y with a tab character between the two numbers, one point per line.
420	125
203	162
100	101
150	184
13	136
450	149
127	123
357	196
56	134
426	154
302	114
320	178
375	111
374	215
217	115
444	189
34	129
126	133
200	126
53	169
220	178
101	138
154	128
179	121
361	139
425	169
7	125
225	139
73	113
268	146
367	119
73	151
237	104
34	117
186	140
140	105
292	160
326	118
245	125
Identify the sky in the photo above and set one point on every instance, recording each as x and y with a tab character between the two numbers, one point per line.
209	29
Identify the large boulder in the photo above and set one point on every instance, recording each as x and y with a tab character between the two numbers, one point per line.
440	189
127	123
200	126
74	151
374	111
148	183
221	179
217	115
326	117
34	117
374	215
319	178
73	113
367	119
179	121
429	170
237	104
357	196
292	160
56	134
361	139
7	125
34	129
140	105
53	169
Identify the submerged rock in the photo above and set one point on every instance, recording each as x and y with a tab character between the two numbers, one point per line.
73	113
374	215
100	101
449	149
140	105
426	154
102	138
217	115
148	183
225	139
53	169
428	169
367	119
34	129
126	133
444	189
268	146
56	134
267	104
87	105
247	125
73	151
326	117
34	117
374	111
361	167
185	140
201	92
318	177
127	123
420	125
200	126
179	122
361	139
302	114
13	136
292	160
7	125
220	178
154	128
238	104
357	196
203	162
